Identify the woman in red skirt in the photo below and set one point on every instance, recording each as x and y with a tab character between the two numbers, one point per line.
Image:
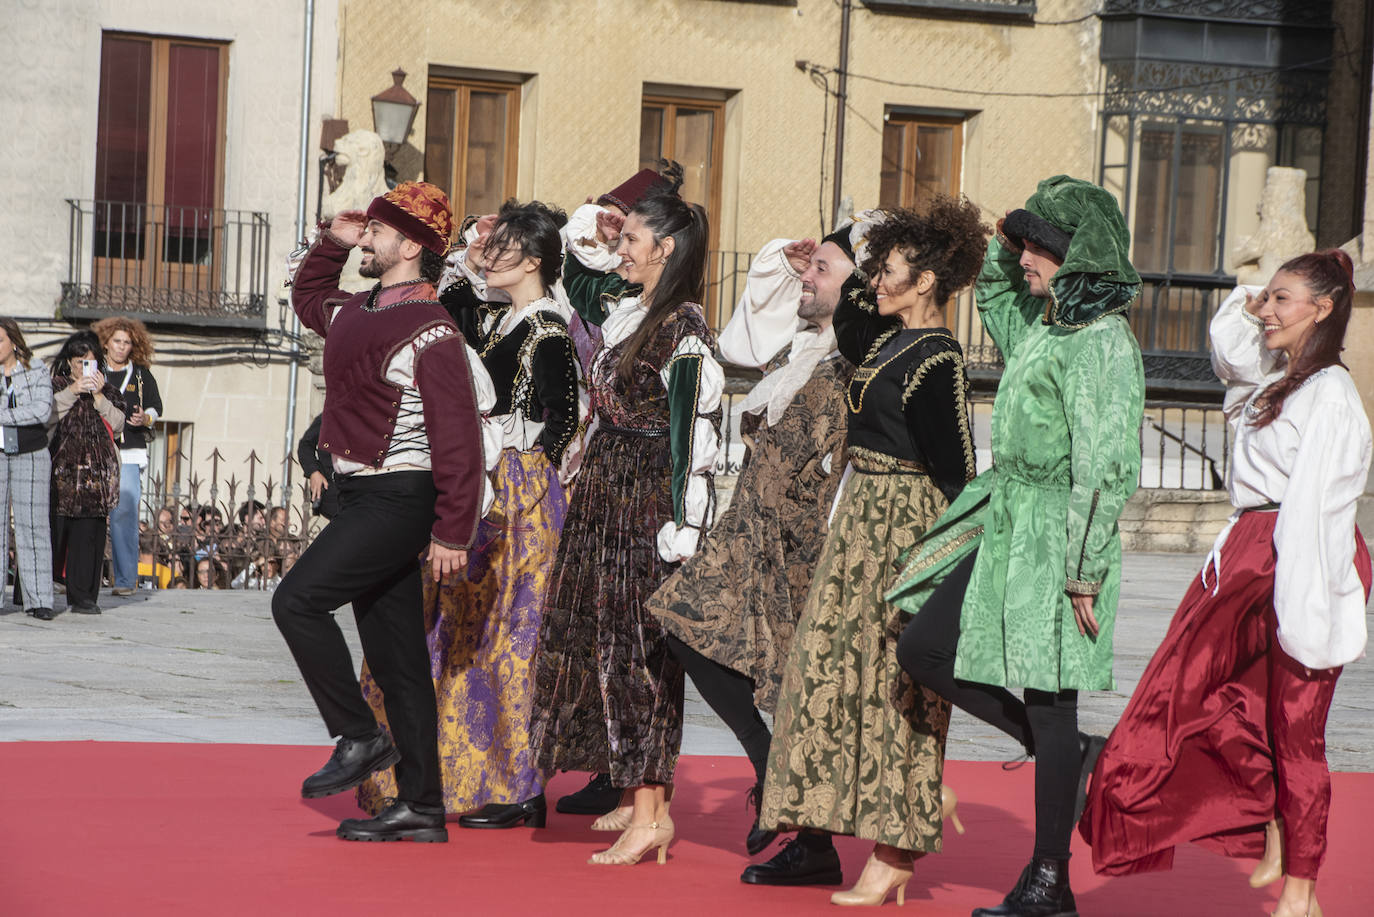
1225	734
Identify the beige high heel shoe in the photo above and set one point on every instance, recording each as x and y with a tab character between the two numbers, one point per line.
878	878
949	808
1314	910
618	819
1270	867
620	853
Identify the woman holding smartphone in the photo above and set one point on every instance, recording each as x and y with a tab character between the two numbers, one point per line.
88	415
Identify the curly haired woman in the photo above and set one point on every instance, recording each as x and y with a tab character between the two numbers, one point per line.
857	746
128	354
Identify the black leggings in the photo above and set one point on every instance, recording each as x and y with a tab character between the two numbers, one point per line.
731	696
1045	722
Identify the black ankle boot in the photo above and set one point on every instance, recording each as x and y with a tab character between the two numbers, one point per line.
1042	891
352	762
758	838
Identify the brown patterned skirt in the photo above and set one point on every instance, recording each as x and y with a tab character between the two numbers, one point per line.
858	748
608	693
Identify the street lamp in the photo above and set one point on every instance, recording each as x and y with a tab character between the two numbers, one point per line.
393	112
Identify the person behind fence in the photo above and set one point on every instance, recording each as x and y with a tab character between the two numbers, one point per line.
25	481
608	692
402	422
88	413
1017	584
151	569
128	354
1226	730
731	609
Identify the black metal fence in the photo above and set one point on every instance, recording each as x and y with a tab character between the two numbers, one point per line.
192	265
208	531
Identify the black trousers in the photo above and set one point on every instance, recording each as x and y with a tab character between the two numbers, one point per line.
78	546
369	555
1044	722
731	696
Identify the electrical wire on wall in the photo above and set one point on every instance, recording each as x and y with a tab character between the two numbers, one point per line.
819	77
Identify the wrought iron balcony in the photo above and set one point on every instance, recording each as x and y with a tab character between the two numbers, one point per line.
166	264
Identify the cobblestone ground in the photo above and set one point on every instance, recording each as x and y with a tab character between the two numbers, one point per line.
197	666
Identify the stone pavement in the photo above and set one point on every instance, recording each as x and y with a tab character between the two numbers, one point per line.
194	666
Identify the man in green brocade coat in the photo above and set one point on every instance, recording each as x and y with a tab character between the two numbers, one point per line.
1016	586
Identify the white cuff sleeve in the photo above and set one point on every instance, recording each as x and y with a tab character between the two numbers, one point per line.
579	238
765	318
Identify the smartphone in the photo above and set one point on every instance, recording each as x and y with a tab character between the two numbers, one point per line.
88	367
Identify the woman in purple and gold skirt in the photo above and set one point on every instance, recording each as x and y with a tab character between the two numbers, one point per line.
483	625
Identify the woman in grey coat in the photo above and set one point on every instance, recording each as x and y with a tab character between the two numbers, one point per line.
24	412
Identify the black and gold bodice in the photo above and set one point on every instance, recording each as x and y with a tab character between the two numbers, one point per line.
907	400
533	368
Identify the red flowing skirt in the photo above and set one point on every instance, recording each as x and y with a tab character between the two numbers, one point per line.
1224	731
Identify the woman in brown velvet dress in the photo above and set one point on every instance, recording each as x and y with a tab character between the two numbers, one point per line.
608	692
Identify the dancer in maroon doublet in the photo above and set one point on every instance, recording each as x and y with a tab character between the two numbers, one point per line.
402	425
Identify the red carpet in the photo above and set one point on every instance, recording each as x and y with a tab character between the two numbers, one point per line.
148	829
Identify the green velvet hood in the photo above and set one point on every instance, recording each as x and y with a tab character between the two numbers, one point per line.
1097	278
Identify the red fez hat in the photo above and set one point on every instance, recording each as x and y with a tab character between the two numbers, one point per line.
632	190
417	210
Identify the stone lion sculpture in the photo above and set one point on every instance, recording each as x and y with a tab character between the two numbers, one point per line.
363	159
1282	232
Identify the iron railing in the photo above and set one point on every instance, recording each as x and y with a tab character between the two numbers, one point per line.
167	264
209	531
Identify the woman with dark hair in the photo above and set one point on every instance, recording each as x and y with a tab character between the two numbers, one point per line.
857	746
483	623
1226	730
129	352
608	691
88	415
27	468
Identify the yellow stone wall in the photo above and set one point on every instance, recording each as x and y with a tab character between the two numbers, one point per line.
589	60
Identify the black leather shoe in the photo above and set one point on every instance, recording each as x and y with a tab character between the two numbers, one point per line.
42	614
1042	891
797	863
350	764
85	608
532	813
758	838
596	798
399	821
1089	749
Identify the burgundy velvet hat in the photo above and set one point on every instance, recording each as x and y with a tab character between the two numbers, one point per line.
632	190
419	211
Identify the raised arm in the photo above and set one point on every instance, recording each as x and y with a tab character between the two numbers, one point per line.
765	318
1239	357
1005	305
315	289
858	326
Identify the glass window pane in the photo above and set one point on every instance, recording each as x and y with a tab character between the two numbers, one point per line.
193	89
121	152
1199	200
894	154
935	158
439	112
1302	149
1152	199
693	137
485	176
650	136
